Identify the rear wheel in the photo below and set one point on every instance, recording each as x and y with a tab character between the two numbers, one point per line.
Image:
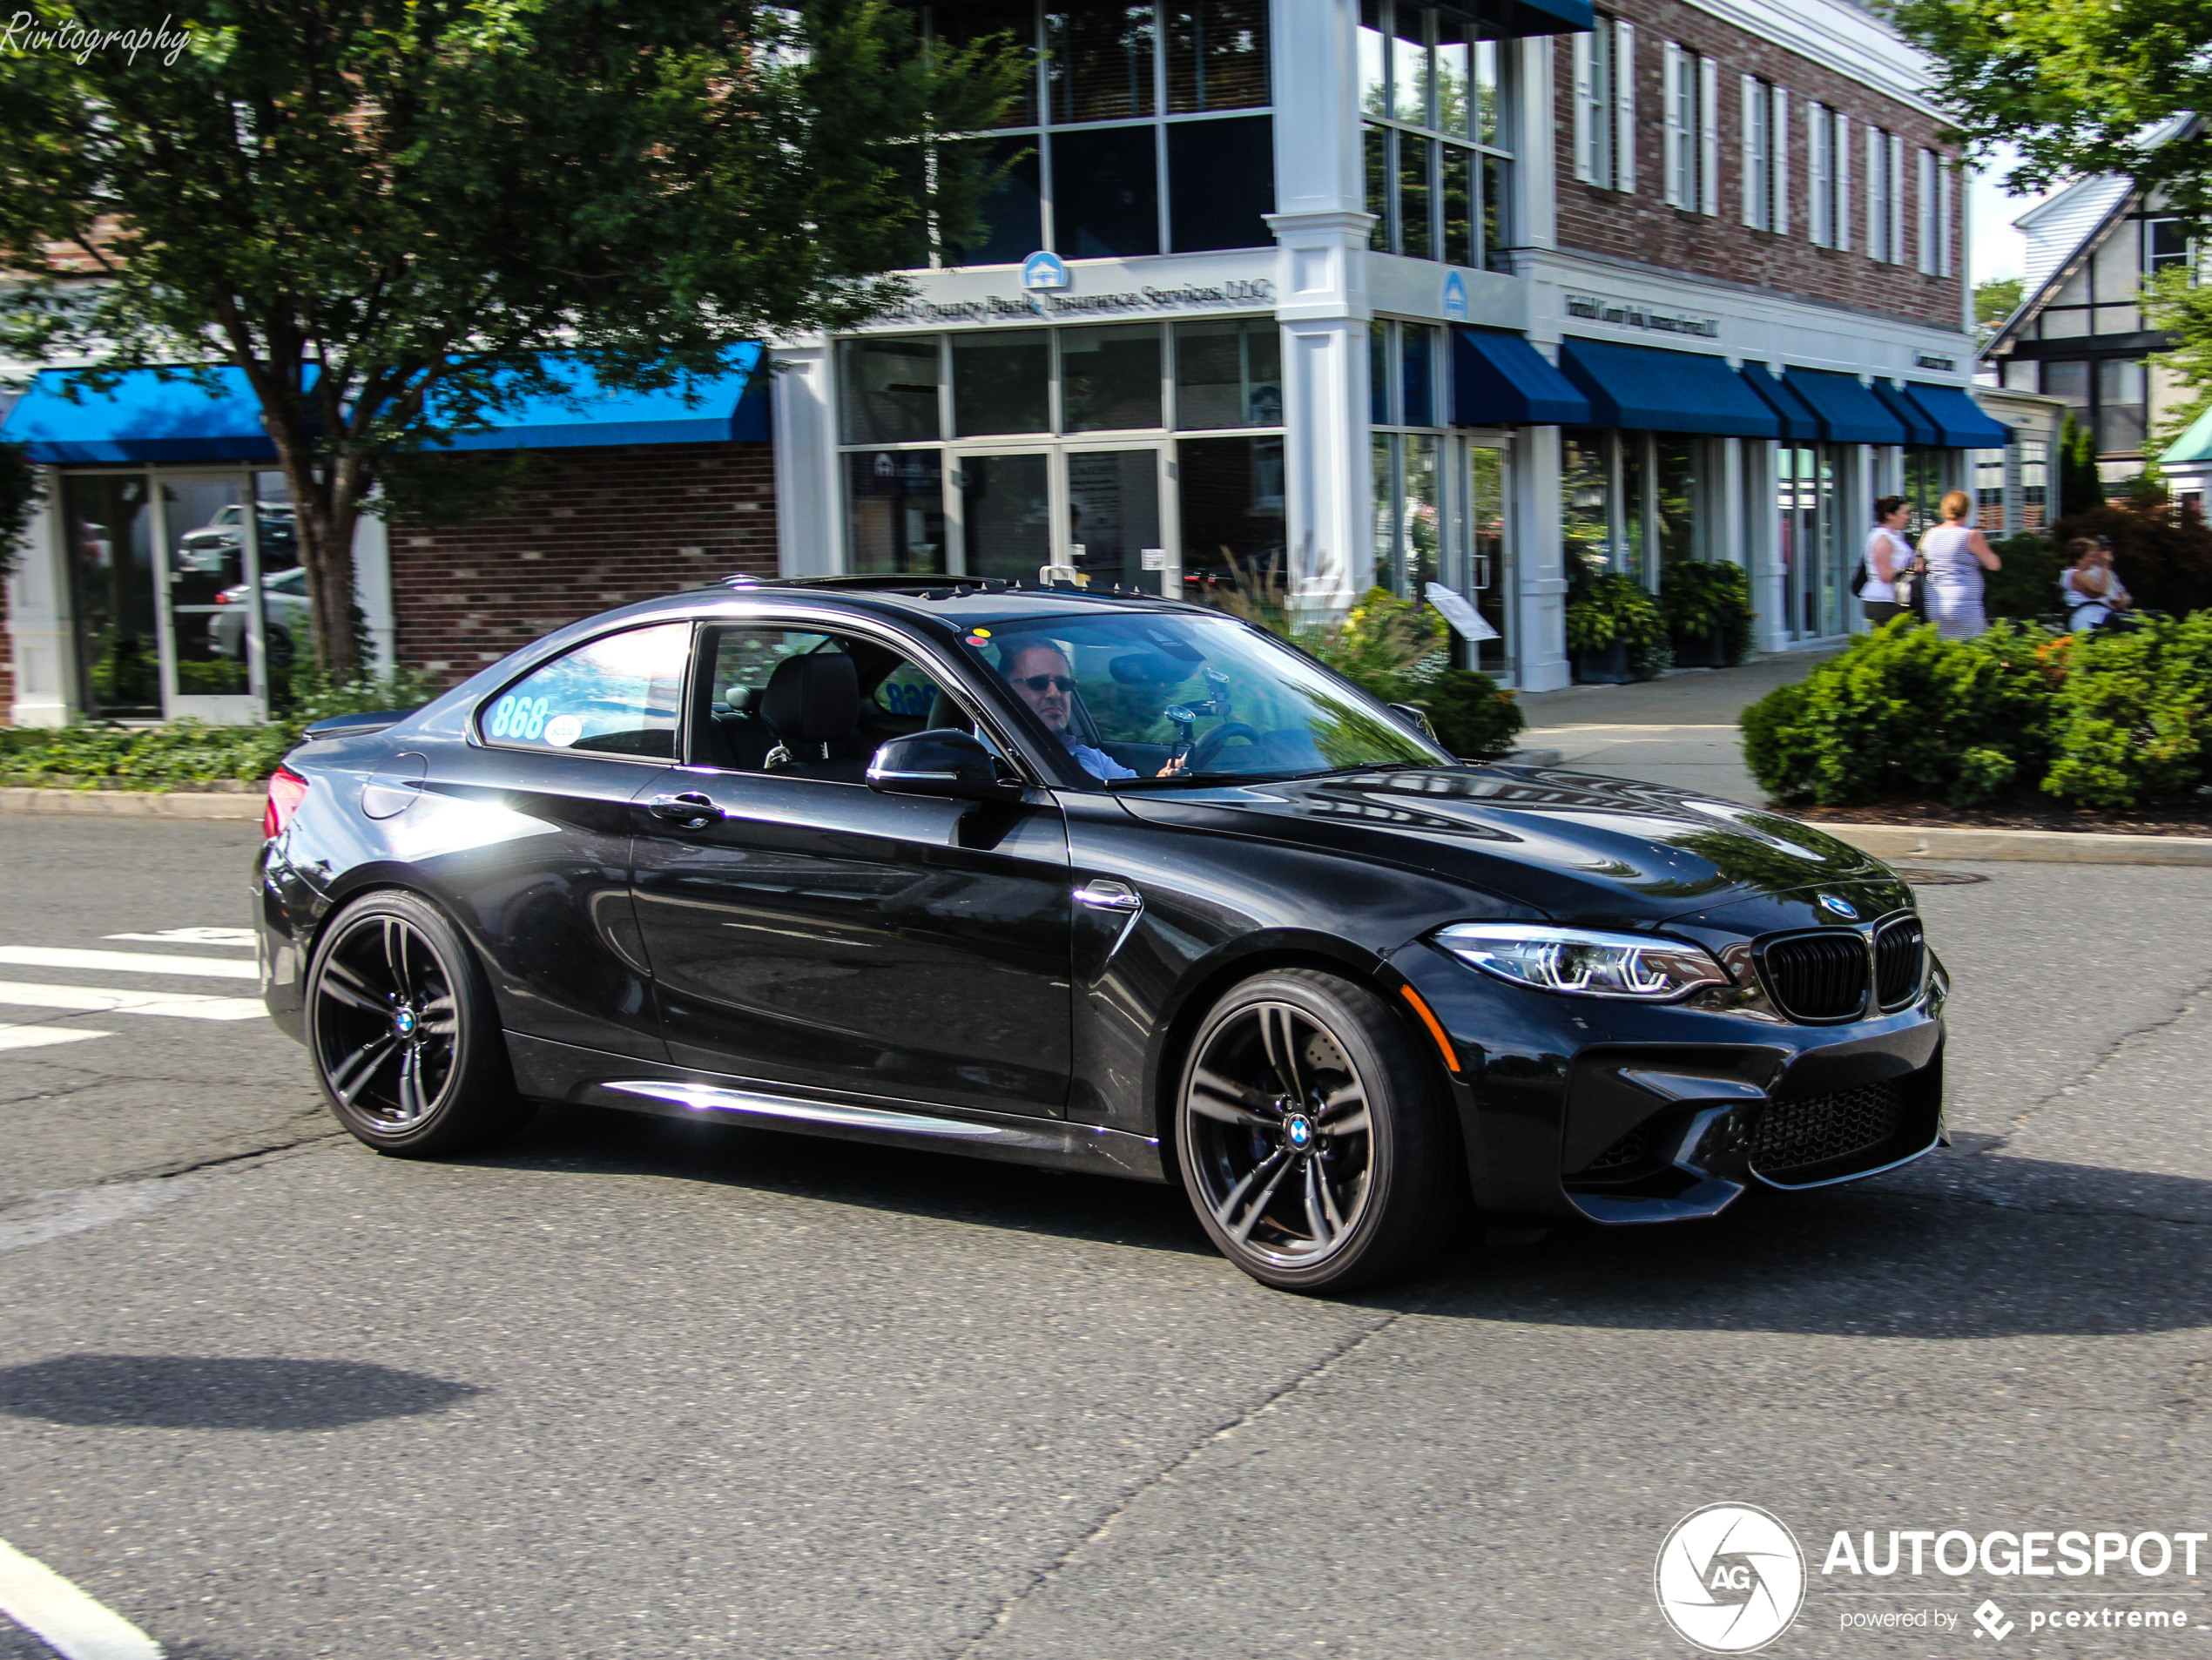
1314	1139
405	1036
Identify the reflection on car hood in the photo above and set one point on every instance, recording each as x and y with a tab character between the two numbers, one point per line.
1576	846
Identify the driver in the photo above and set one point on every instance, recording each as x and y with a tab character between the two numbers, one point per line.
1046	681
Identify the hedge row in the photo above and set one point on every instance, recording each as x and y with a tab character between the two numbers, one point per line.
2109	721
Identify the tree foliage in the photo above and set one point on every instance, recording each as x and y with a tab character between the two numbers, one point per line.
2081	486
2182	307
386	212
2077	86
19	496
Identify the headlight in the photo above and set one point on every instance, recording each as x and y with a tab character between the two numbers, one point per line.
1583	962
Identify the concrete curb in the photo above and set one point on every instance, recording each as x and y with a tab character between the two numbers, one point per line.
134	804
2049	846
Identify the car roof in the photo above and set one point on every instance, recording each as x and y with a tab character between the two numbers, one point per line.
954	601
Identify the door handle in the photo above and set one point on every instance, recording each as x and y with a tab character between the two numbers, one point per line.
690	811
1109	896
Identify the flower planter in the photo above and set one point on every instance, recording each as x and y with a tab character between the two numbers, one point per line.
1607	666
1708	650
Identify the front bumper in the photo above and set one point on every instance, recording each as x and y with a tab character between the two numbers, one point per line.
1622	1113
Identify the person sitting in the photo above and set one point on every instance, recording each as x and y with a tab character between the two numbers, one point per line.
1046	681
2094	596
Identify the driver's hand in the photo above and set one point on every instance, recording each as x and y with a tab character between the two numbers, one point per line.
1172	768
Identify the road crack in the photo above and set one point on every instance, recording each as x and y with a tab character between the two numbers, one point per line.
1042	1578
2189	1001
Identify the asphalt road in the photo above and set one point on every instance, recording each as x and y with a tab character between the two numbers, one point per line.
630	1387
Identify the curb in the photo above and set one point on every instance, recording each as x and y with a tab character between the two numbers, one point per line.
2047	847
134	804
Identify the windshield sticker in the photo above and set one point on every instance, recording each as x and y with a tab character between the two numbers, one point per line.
563	730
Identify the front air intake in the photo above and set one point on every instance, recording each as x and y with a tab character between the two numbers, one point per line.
1801	1137
1817	976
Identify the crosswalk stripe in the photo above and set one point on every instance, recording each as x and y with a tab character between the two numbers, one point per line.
43	1036
239	939
69	1622
187	1005
43	956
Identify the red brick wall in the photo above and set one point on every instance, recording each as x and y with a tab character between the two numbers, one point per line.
7	663
1641	227
595	529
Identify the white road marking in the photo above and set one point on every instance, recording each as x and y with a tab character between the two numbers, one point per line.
45	956
242	938
45	1036
187	1005
67	1621
72	1209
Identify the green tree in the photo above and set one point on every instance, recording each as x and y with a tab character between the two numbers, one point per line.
2081	487
2173	303
385	212
19	494
2077	88
1996	299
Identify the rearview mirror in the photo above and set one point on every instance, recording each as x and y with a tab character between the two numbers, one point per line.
943	762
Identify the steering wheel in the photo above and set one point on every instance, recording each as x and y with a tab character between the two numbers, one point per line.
1207	749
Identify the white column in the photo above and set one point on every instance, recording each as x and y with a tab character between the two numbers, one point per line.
42	641
1541	562
809	539
373	592
1535	208
1726	502
1761	546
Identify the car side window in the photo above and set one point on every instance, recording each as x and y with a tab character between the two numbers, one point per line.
807	704
620	694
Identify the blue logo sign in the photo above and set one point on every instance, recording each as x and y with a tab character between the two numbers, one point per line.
1044	270
1455	298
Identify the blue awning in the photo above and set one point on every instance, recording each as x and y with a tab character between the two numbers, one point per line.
1964	424
143	418
1502	381
147	418
1848	413
730	406
1515	18
1655	391
1918	429
1798	423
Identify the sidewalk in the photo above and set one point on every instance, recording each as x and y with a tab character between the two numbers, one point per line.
1679	730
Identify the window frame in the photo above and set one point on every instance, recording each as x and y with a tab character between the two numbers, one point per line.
1387	235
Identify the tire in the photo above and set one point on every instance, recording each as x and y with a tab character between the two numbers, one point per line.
405	1038
1367	1182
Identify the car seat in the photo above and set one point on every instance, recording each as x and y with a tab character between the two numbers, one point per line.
812	704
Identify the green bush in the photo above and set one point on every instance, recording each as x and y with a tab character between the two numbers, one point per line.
1698	599
1396	649
187	753
2133	720
1606	609
1895	715
2163	556
2026	587
1473	718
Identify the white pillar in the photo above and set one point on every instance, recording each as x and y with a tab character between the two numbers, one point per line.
1541	558
373	592
1726	503
41	639
809	537
1534	213
1763	545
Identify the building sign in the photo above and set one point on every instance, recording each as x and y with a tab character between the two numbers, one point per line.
1240	293
1935	360
1633	313
1043	270
1455	298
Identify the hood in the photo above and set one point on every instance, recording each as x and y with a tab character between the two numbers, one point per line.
1580	848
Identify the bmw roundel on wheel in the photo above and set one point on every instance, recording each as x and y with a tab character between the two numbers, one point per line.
1098	880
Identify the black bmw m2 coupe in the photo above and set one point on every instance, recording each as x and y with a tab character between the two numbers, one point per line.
1098	880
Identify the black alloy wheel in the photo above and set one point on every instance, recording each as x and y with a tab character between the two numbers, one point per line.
1315	1139
406	1039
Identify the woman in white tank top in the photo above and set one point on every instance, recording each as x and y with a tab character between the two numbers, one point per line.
1887	553
1956	556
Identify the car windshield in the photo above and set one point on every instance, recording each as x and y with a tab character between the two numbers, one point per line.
1164	698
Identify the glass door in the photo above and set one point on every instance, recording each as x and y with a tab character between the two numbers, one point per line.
1002	507
1113	517
209	596
1489	575
107	523
1096	508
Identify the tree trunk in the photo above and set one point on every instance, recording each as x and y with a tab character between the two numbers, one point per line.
326	507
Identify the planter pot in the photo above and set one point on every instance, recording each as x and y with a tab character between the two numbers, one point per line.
1608	667
1700	650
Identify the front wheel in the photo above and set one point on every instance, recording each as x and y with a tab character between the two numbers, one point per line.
405	1036
1315	1140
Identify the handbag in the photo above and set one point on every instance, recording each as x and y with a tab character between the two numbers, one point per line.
1913	587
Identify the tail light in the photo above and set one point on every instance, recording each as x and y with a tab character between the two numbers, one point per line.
287	791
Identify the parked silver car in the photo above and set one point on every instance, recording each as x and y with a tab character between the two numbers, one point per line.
208	549
284	613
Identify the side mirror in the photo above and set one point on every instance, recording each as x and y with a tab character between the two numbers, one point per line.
944	762
1415	716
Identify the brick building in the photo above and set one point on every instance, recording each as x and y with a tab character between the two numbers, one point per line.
1357	291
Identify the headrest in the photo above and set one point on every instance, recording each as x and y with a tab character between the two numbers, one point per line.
813	698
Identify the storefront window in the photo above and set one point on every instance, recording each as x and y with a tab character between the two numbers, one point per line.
1437	166
1490	581
1402	357
1586	501
1675	504
889	390
2035	467
109	530
1101	62
1002	383
1630	501
1229	373
1111	377
1812	539
1231	492
1924	487
894	509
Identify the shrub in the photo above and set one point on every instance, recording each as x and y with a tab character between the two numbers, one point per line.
1896	713
1604	610
1473	718
2026	587
2163	556
1698	599
2133	717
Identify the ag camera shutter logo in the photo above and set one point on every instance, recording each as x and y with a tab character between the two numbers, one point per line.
1729	1578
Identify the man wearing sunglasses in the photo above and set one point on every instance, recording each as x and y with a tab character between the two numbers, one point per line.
1046	681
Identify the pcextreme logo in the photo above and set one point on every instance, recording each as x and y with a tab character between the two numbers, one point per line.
1729	1578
